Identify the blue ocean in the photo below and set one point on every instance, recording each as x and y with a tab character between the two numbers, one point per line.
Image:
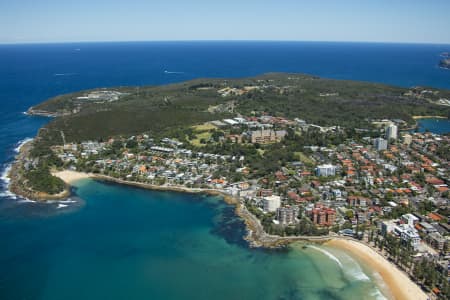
116	242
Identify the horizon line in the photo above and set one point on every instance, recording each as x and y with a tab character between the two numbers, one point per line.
220	40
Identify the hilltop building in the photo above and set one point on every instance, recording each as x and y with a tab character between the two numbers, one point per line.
266	136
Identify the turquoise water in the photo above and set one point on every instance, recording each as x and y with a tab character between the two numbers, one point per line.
440	126
127	243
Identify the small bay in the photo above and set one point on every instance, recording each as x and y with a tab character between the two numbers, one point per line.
124	242
439	126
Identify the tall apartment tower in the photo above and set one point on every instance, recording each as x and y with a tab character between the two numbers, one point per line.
391	132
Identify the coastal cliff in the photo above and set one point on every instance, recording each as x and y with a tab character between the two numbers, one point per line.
20	183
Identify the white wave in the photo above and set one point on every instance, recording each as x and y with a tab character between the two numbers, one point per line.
330	255
21	143
4	177
67	201
353	269
349	266
5	174
25	200
61	205
356	273
378	295
8	194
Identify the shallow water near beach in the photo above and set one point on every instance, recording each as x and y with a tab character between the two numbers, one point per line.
125	242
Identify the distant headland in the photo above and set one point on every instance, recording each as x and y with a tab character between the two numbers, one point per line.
445	62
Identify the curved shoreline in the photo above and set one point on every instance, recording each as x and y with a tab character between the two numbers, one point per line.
16	181
399	285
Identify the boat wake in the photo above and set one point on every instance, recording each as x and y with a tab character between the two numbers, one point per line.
172	72
65	74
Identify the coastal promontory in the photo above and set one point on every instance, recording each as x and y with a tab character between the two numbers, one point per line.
173	112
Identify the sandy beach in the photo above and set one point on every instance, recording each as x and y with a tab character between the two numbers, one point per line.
71	176
398	283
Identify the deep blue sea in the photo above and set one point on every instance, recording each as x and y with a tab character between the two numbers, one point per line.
118	242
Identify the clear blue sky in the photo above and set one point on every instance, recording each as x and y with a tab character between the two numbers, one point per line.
422	21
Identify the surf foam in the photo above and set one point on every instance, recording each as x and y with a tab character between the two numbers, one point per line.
330	255
4	177
20	144
348	265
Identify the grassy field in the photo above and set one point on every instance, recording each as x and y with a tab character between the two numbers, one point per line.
201	132
303	158
204	127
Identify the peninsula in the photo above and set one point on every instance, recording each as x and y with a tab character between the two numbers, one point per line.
301	157
445	63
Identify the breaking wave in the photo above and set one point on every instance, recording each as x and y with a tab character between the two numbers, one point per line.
330	255
4	177
21	143
348	265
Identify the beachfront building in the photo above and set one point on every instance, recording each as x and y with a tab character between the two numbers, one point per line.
408	234
266	136
387	227
409	219
326	170
436	241
380	144
271	203
391	132
287	215
322	215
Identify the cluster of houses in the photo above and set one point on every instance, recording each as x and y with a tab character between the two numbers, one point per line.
360	184
154	163
356	183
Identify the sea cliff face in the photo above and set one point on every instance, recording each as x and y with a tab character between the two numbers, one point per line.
19	183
